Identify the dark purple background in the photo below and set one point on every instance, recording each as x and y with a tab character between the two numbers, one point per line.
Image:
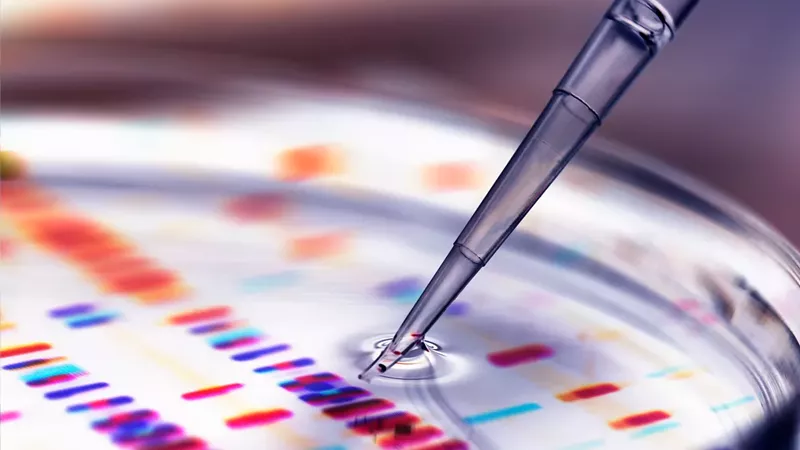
722	102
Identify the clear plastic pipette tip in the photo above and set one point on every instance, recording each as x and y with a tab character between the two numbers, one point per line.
454	273
630	34
376	368
388	358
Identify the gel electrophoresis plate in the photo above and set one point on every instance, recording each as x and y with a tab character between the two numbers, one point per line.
153	305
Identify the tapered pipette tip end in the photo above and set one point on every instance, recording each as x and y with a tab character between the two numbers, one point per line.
371	372
388	358
381	364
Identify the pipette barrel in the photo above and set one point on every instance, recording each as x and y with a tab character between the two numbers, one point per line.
629	36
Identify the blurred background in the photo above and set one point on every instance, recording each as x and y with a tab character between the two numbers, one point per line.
722	102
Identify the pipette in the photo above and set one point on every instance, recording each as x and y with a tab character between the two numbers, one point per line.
629	36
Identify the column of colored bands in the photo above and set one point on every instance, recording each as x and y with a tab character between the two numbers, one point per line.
126	425
82	315
108	259
532	353
8	416
363	413
224	334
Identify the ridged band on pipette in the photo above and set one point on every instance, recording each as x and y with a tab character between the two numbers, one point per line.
582	101
629	15
470	255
